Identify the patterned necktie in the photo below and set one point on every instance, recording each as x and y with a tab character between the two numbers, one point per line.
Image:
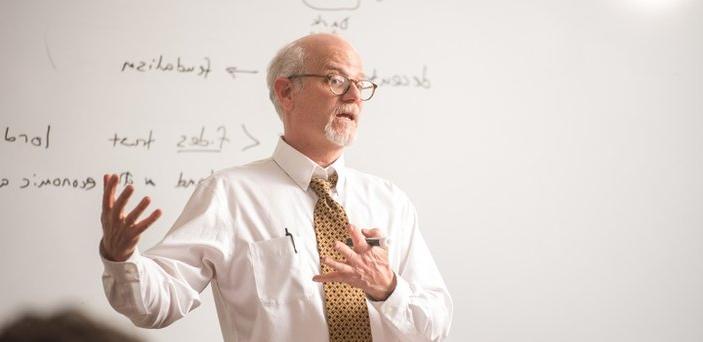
347	314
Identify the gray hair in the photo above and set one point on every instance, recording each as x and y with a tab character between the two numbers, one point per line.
289	60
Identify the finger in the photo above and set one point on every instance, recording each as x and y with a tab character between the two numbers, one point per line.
138	210
108	191
106	177
330	277
348	253
372	233
357	239
142	225
339	266
122	201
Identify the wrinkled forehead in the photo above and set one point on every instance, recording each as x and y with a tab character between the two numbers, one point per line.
337	57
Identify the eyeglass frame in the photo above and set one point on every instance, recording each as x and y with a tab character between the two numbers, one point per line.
329	78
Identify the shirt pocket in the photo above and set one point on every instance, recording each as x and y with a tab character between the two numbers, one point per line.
278	271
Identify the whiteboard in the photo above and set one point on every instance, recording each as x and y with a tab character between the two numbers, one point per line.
553	148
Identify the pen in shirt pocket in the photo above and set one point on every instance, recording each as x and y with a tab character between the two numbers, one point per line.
292	240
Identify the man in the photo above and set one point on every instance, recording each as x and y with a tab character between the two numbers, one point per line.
270	236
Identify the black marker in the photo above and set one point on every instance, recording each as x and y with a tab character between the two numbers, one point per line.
373	242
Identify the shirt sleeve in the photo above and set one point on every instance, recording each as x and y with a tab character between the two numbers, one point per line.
158	287
420	308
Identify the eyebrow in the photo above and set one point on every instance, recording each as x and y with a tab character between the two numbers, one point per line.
362	76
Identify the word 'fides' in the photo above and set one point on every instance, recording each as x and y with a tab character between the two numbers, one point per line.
200	143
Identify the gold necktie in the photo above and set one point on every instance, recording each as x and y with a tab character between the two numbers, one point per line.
347	314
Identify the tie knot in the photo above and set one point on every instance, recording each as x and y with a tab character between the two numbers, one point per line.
323	186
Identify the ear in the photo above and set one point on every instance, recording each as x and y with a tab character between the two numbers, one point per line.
283	89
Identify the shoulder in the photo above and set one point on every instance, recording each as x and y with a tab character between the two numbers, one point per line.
359	181
256	172
367	179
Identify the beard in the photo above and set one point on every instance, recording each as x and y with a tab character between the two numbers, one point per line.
339	130
340	133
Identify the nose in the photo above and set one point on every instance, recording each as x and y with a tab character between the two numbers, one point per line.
353	94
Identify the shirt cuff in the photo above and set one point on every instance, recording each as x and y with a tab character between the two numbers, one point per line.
393	307
127	270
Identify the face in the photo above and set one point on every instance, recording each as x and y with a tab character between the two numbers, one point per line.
319	115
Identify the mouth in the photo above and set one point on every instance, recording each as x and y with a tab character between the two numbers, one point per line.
347	116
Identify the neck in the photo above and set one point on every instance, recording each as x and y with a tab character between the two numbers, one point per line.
322	154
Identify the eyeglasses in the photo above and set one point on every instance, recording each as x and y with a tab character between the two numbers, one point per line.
339	85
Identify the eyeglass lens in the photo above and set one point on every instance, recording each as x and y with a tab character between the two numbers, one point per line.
340	85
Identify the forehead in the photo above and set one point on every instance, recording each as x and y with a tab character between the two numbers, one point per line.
339	58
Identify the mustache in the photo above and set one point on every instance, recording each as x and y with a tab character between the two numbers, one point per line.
347	108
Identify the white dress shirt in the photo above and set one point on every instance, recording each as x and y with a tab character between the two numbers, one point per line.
231	235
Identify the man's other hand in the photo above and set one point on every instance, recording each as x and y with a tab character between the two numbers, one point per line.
365	267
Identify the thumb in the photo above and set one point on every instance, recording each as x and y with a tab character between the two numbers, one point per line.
372	233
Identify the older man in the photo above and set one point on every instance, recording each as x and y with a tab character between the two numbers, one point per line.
275	237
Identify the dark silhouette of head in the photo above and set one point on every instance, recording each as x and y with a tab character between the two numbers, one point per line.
68	325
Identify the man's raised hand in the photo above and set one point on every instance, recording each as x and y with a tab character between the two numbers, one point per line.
121	233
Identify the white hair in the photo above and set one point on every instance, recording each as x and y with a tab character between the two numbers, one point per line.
289	60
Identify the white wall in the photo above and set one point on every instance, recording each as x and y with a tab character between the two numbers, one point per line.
568	135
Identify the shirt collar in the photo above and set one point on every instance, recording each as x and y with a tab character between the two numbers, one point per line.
302	169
